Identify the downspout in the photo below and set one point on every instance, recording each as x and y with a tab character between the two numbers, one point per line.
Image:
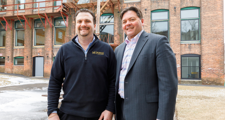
224	42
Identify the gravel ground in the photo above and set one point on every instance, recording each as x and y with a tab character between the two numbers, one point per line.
200	103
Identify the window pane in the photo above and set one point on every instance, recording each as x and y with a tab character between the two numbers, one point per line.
159	15
19	25
41	4
2	38
160	28
19	61
20	37
189	30
40	37
60	22
3	2
59	2
193	61
107	33
1	27
2	61
39	23
60	36
107	19
83	1
189	14
184	61
190	72
20	2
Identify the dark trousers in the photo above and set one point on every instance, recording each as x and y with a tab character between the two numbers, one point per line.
64	116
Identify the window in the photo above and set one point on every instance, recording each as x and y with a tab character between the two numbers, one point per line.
19	41
40	4
83	1
2	60
18	60
3	2
39	33
190	68
57	3
60	32
107	28
190	24
20	2
160	22
2	36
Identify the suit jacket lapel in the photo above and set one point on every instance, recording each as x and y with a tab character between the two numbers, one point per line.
140	44
120	58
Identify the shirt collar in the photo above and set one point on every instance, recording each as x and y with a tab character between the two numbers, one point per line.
76	39
135	39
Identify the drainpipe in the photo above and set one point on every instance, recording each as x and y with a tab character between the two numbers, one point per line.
224	41
98	19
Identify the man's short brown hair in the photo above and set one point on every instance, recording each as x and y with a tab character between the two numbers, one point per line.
88	11
136	10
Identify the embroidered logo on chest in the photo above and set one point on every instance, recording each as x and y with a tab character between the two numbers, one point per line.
97	53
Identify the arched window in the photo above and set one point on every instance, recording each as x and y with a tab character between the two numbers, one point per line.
39	30
190	24
60	31
107	28
18	60
2	35
190	66
160	22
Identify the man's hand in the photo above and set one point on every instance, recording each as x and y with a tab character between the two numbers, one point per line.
106	115
53	116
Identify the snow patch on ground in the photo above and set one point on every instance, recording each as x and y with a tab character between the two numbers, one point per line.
6	80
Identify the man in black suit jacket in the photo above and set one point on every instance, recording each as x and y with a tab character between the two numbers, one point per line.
146	78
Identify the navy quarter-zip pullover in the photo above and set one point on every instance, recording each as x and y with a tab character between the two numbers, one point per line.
89	85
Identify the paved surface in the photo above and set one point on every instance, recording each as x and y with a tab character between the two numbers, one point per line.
21	97
200	102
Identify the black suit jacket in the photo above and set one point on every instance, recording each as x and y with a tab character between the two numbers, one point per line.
150	86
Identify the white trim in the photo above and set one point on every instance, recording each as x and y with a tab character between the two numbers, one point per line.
20	11
190	42
131	1
2	12
193	80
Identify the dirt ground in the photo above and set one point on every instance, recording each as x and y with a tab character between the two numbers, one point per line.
200	103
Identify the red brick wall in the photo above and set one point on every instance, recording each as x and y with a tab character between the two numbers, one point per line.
211	47
2	68
18	69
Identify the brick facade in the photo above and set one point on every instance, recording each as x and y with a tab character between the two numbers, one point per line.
210	48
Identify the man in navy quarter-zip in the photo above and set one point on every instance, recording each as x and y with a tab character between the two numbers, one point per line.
89	68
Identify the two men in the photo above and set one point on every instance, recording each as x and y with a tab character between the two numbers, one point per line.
146	74
89	68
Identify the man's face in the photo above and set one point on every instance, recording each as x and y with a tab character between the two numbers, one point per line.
132	24
84	24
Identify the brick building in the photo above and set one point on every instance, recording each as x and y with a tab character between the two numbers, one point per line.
32	31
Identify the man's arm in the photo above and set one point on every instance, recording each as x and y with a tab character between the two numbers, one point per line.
167	79
112	80
55	82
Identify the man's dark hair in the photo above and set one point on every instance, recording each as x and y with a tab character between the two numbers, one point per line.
136	10
88	11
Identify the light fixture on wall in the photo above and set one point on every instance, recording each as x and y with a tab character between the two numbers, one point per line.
8	58
175	8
